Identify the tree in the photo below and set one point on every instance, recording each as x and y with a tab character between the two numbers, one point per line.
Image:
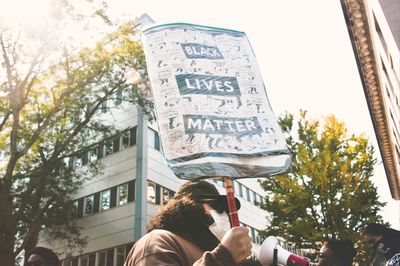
50	97
329	192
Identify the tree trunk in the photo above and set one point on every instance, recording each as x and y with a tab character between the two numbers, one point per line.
7	259
7	241
8	228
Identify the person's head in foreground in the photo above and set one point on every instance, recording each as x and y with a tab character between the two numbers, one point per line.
336	253
40	256
193	228
198	213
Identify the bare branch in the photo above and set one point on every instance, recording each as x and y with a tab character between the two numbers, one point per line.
7	63
5	119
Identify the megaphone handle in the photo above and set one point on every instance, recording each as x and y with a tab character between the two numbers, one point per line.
275	259
230	197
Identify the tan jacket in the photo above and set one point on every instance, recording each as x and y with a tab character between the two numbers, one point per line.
162	247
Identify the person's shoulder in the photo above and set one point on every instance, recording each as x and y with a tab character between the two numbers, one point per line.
154	248
160	234
158	238
165	245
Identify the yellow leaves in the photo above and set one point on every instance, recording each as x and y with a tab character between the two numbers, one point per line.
4	136
303	153
330	182
334	127
345	166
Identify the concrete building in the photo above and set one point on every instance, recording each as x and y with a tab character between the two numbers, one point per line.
391	10
378	60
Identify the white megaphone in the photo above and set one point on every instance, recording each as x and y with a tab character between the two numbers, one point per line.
283	256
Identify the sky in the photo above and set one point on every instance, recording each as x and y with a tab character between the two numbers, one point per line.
302	47
304	53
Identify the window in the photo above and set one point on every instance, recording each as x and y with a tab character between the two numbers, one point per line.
101	259
67	262
93	154
245	192
157	141
103	108
113	199
258	199
123	194
92	259
110	257
96	203
74	208
77	162
158	194
116	145
167	195
131	191
108	147
84	260
240	190
84	157
80	207
252	197
379	32
75	261
253	234
125	140
132	132
68	163
151	138
117	98
257	237
100	150
151	192
236	188
89	201
120	256
105	199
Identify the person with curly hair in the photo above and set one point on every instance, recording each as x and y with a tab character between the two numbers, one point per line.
192	229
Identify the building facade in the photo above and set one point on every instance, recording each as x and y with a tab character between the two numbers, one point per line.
391	10
135	180
378	60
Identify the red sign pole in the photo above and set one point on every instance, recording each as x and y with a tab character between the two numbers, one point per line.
230	197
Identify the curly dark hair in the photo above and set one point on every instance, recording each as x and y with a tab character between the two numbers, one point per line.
188	219
343	249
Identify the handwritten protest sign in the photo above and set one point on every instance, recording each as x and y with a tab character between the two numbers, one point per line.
211	104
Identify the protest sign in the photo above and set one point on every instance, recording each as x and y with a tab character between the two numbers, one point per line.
211	104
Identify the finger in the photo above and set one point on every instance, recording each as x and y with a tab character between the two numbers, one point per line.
249	254
245	229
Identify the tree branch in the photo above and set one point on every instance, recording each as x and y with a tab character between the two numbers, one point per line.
34	227
5	119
